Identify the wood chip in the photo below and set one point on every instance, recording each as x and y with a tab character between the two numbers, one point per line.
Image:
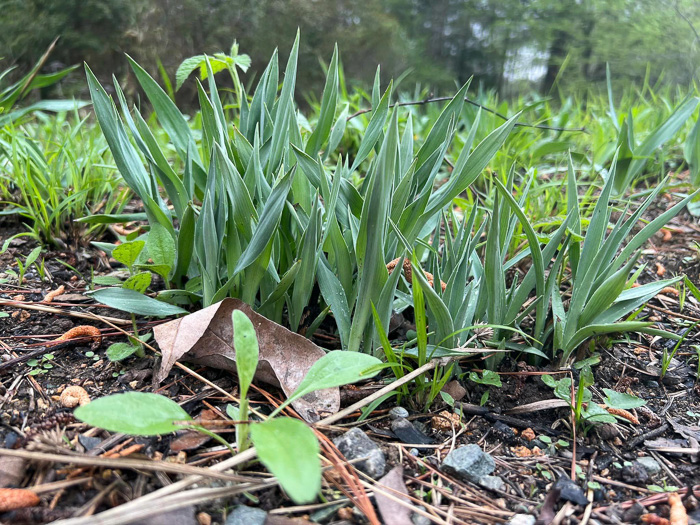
13	499
73	396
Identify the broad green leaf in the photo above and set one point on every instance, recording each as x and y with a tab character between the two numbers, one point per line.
621	400
120	351
289	450
245	343
127	253
186	68
334	369
133	413
161	246
134	302
161	269
138	282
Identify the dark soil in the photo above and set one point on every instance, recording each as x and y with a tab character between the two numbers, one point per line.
32	417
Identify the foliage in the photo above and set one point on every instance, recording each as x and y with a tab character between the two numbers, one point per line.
11	93
297	468
54	171
506	44
267	207
586	412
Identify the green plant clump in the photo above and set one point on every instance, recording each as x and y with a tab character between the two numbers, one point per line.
266	206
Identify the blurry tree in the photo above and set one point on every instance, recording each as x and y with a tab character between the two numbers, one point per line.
508	45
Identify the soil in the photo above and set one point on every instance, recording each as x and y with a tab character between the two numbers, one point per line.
532	449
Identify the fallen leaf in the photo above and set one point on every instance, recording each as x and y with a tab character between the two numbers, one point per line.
193	439
206	337
12	470
392	512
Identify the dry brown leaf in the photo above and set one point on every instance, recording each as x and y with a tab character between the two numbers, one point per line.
11	470
193	439
392	512
206	337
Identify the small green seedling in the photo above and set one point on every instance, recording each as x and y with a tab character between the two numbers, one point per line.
40	366
130	294
23	267
297	467
489	378
587	413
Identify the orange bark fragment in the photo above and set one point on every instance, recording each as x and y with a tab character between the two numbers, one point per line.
50	296
82	331
73	396
678	515
13	499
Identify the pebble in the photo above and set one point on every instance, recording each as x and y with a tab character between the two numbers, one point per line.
244	515
649	464
522	519
469	463
634	473
492	482
570	491
398	412
409	433
355	444
414	452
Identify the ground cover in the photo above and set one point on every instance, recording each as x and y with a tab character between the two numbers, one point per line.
531	289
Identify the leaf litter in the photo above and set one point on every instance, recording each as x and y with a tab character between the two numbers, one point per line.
206	337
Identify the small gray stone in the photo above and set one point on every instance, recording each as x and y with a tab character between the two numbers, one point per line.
244	515
522	519
634	473
469	463
414	452
398	412
650	465
355	444
492	482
